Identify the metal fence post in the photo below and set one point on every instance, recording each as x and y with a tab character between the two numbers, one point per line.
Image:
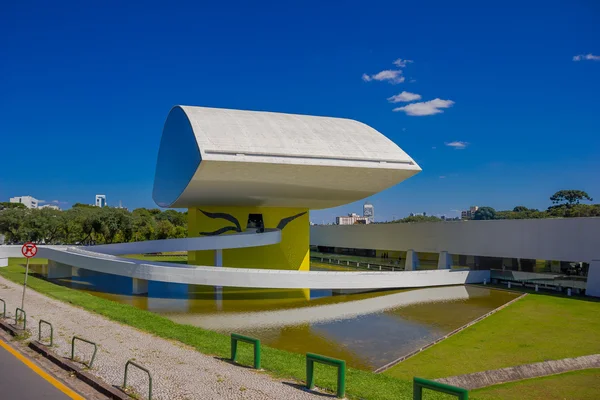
255	342
130	362
40	331
24	317
419	384
86	341
311	358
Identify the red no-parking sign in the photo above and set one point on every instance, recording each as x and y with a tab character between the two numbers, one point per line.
29	250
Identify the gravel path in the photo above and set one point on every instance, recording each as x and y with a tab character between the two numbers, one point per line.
178	371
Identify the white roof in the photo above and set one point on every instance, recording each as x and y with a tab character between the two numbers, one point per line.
211	156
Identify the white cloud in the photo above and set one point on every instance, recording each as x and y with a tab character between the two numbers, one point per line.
42	201
458	145
389	75
433	148
442	176
430	107
404	97
588	56
402	63
412	80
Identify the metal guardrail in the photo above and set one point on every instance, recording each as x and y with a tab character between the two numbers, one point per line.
373	266
40	331
131	362
4	310
235	338
86	341
24	317
310	371
419	384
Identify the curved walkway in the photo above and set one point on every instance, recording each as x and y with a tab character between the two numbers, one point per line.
105	259
503	375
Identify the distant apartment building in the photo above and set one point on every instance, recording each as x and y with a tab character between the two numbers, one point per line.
369	212
50	206
351	219
28	201
470	213
100	200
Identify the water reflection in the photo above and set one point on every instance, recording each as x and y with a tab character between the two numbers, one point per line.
368	330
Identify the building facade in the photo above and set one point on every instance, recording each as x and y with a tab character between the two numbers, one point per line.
28	201
243	171
369	212
352	219
100	200
470	213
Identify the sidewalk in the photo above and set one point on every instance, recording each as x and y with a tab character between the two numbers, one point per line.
178	371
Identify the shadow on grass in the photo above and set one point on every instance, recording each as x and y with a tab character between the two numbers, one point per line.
305	389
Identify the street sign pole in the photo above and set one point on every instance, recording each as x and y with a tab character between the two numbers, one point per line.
25	285
29	250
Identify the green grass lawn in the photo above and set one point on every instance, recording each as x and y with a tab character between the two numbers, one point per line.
576	385
360	384
538	327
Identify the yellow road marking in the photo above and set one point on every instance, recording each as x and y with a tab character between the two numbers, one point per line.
42	373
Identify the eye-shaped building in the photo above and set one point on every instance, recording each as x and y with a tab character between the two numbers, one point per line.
237	170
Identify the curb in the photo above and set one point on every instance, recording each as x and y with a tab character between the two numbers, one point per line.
68	365
9	328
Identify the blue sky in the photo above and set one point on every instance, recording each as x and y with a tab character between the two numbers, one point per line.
85	88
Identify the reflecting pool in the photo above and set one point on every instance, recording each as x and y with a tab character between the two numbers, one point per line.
368	330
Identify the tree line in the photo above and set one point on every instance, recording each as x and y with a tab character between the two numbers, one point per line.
565	204
85	224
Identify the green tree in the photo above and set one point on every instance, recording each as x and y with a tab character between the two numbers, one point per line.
569	197
164	230
520	209
6	204
419	218
485	213
144	224
11	224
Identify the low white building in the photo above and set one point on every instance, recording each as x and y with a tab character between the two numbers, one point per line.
28	201
351	219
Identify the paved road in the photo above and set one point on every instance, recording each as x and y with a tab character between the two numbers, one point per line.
18	381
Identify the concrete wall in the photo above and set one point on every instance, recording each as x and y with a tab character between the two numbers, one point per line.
569	239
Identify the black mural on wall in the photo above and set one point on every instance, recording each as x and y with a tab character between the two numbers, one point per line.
237	228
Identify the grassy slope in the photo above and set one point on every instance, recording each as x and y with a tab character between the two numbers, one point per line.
580	385
360	384
535	328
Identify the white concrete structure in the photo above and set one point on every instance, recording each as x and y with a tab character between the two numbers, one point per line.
100	200
238	158
28	201
102	259
369	212
568	239
593	279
